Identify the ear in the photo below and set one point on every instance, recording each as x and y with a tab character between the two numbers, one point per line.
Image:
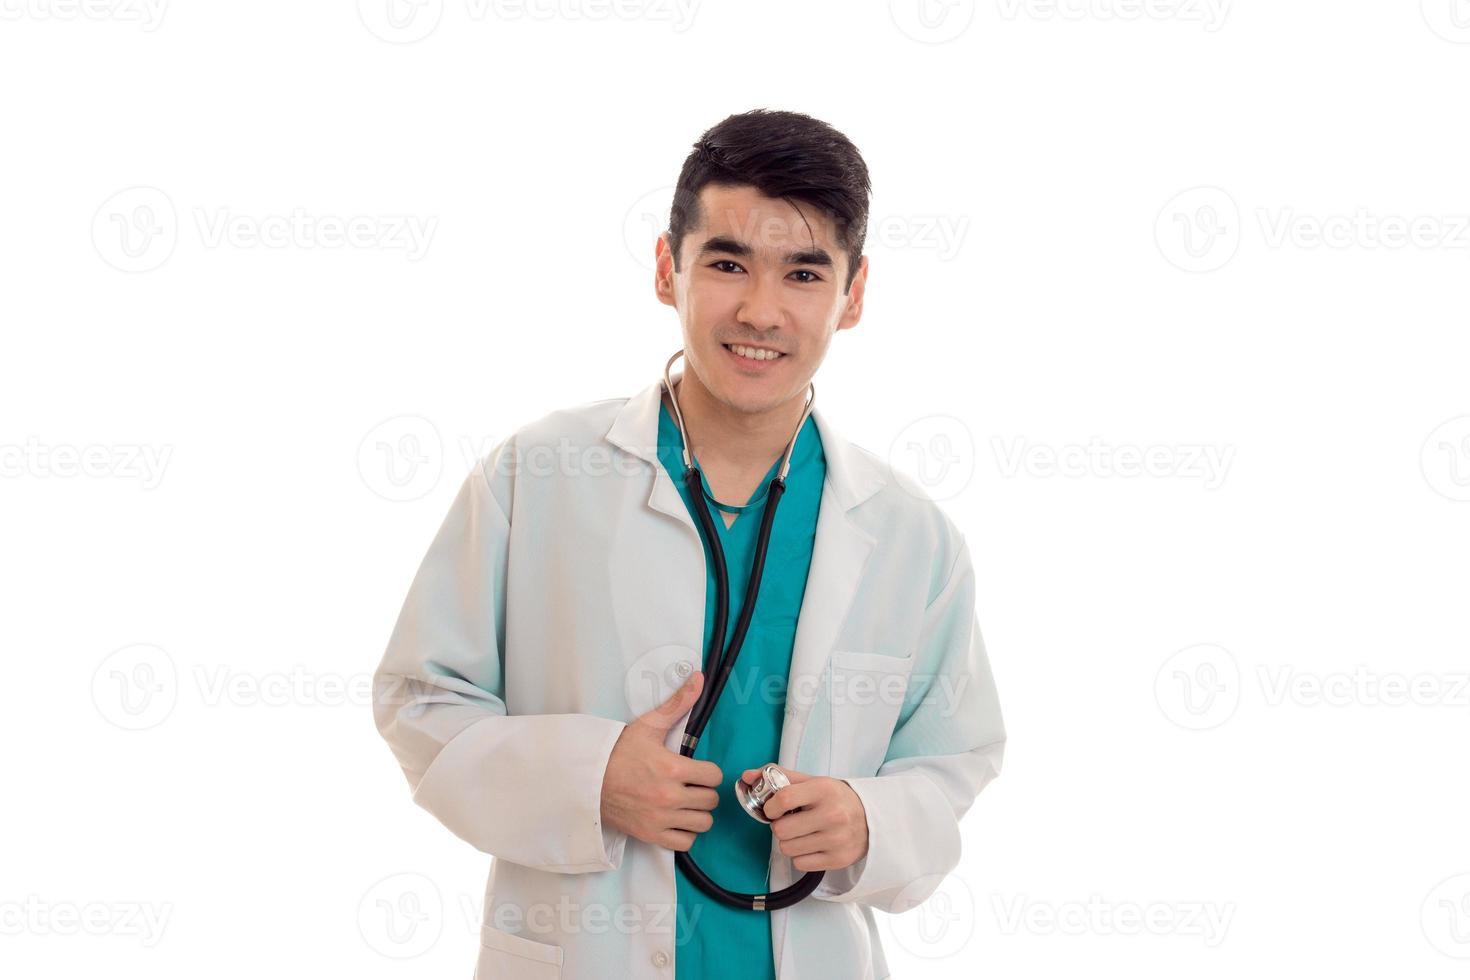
853	312
663	270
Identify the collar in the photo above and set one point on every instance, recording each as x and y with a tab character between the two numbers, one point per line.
852	475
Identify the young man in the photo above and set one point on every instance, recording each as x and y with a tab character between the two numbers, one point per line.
557	637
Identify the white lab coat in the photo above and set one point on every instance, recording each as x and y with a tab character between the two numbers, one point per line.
564	596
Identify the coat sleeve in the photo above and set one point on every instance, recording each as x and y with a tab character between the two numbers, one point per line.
946	746
439	702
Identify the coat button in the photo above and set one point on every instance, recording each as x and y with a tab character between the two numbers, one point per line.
660	959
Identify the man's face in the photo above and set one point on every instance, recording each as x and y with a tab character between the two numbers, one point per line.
757	272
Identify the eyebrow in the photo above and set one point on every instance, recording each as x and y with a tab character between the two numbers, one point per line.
730	246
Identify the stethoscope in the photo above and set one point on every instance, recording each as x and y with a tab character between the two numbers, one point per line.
719	663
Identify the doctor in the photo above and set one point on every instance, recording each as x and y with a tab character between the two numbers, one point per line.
556	638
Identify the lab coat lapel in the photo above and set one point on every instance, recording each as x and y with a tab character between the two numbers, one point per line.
839	557
636	430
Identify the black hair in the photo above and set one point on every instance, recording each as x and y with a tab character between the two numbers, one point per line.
785	155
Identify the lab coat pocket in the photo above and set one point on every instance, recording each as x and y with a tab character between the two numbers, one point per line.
865	693
504	956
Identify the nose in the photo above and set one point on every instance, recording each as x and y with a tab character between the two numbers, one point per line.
760	306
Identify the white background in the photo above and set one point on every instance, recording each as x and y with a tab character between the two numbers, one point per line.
1235	693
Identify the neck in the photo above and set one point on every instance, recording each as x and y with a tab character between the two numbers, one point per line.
724	437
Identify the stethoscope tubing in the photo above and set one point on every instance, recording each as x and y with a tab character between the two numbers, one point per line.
720	662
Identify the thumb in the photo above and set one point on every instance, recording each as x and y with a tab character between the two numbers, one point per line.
750	776
663	718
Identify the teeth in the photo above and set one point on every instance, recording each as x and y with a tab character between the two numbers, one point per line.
754	353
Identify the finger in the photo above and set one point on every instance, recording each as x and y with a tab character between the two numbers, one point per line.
694	821
699	798
796	795
751	775
697	772
808	844
820	861
662	719
798	824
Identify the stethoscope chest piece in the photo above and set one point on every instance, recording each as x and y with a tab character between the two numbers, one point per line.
753	798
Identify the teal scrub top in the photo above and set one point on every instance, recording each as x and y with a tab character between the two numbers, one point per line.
715	941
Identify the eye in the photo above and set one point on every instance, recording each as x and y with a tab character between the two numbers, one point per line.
719	262
807	272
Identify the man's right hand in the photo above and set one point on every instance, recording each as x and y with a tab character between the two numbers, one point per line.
653	794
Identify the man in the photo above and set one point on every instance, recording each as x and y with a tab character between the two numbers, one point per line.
553	643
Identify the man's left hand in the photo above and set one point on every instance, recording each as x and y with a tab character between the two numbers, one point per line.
819	821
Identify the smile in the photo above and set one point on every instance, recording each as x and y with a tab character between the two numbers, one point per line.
753	354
